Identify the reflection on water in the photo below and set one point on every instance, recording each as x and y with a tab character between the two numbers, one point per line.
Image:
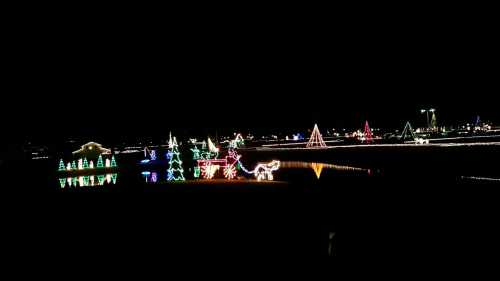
318	167
84	181
150	177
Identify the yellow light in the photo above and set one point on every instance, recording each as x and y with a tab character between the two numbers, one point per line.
317	168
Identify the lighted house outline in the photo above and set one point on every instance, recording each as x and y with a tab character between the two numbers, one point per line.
91	150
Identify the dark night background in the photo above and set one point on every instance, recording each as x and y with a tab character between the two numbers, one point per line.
95	77
75	73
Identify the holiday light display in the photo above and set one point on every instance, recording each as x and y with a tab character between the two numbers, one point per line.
62	182
317	168
367	135
150	153
196	152
150	177
237	142
230	172
263	171
100	179
92	147
433	120
196	156
84	164
175	171
196	172
100	163
316	139
87	181
209	167
62	167
408	132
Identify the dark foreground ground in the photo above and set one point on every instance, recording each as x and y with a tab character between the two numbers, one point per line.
415	205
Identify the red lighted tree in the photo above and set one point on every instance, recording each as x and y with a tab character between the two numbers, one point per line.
368	138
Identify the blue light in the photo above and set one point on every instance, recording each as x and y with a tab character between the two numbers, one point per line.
146	173
145	161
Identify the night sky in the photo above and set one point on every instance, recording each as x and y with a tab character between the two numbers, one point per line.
129	80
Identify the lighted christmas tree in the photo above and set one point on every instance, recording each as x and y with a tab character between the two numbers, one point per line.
408	132
368	133
433	120
113	161
316	139
62	167
85	163
175	171
100	163
73	165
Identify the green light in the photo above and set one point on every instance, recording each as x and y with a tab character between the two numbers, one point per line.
196	153
197	171
113	178
62	167
100	164
86	180
85	163
113	161
73	165
100	178
62	182
175	171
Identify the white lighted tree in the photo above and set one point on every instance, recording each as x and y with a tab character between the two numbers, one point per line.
316	139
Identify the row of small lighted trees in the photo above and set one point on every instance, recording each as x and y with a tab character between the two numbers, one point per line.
84	164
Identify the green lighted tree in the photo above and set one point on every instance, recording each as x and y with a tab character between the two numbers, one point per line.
113	161
175	171
85	163
62	167
100	164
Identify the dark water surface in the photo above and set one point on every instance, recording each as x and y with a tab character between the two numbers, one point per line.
373	202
